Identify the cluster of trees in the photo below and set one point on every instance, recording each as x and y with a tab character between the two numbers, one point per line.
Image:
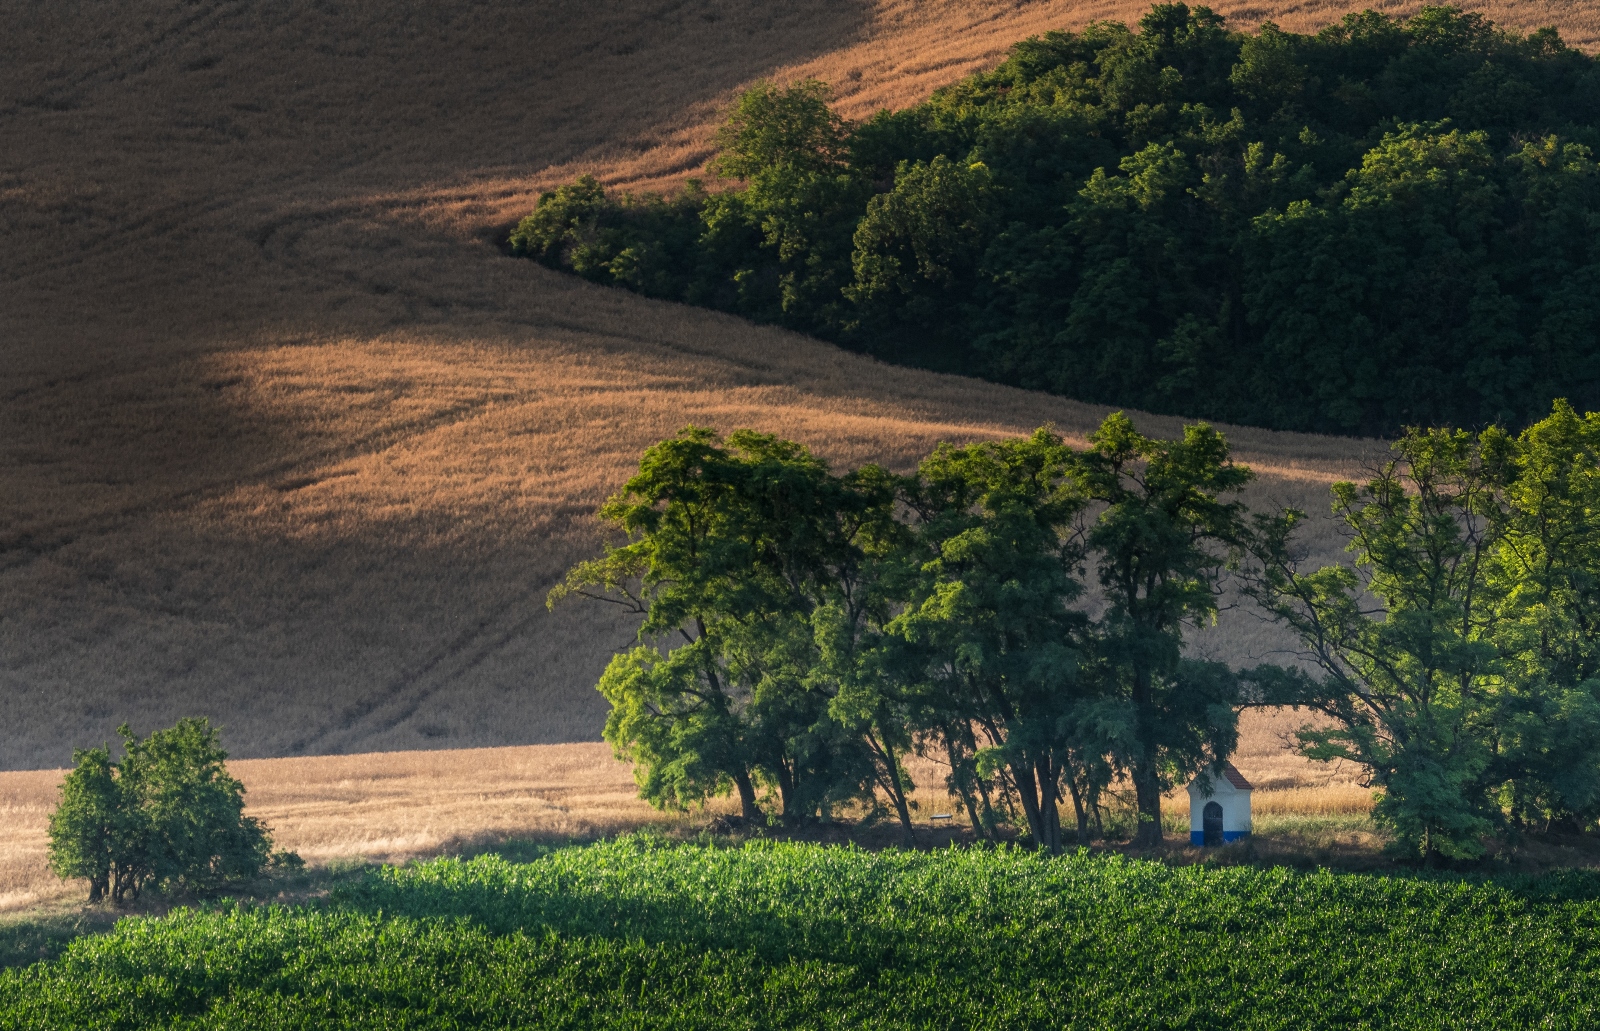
167	813
1460	657
1016	610
1392	222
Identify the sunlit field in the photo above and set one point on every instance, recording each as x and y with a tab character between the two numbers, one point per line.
397	806
287	442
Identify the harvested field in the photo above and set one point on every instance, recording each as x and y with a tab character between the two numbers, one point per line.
287	442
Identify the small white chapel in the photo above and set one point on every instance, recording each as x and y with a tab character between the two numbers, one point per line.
1224	814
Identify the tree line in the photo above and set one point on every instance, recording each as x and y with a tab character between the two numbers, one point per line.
1392	222
1016	610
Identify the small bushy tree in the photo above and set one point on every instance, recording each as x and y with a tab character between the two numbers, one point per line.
168	813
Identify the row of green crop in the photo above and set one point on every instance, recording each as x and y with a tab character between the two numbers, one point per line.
626	934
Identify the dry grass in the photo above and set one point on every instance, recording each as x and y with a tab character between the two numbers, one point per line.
1286	784
394	806
286	441
379	807
26	800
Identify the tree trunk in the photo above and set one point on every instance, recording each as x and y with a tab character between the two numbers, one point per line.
905	819
897	789
747	796
1078	810
1146	785
789	794
990	820
1023	780
122	883
886	772
1147	793
1049	812
959	781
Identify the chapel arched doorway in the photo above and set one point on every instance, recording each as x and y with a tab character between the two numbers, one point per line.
1213	824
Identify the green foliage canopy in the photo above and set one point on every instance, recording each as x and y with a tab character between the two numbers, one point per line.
1459	652
753	559
168	813
1392	222
987	630
1160	546
803	630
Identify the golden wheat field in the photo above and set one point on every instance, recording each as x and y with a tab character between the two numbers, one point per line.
394	806
287	442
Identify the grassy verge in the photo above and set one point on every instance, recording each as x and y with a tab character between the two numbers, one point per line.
44	933
640	934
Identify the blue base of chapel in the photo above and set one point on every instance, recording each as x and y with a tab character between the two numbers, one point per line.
1198	838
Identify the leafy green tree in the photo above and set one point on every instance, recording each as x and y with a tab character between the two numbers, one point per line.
168	813
732	552
561	225
199	836
787	233
1161	545
1554	186
1138	274
856	665
989	623
1409	692
681	717
1407	310
916	252
1459	653
644	243
818	627
1269	72
772	127
857	659
1545	572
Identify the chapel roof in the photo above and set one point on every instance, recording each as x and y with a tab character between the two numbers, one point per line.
1235	777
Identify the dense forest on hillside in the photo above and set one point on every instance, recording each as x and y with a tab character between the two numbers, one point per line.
1393	222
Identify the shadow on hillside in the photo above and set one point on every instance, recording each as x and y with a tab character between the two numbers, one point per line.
195	179
278	449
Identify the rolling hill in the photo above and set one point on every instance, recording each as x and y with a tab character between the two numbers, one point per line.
286	440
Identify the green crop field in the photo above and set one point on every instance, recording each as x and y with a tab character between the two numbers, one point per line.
637	934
